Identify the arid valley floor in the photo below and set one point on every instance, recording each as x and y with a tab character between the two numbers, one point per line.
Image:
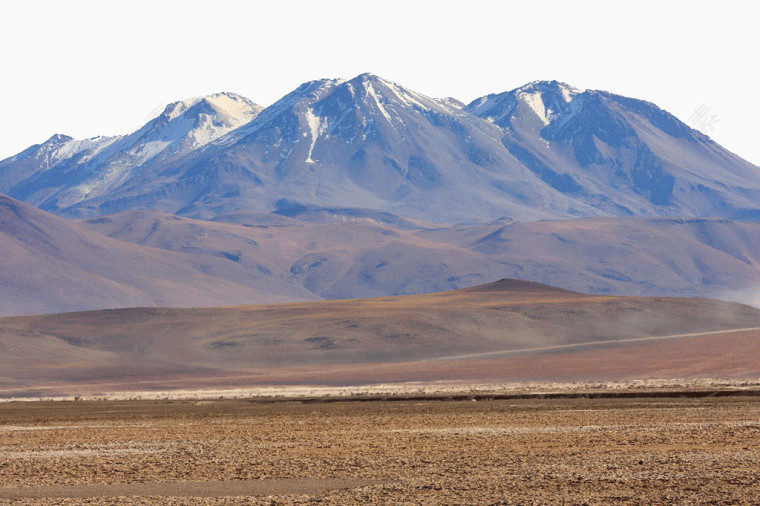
506	393
645	450
507	331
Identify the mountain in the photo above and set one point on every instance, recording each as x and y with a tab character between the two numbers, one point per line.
689	257
541	151
360	256
363	257
361	143
59	151
622	156
63	172
507	329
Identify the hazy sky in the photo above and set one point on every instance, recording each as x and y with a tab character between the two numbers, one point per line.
87	68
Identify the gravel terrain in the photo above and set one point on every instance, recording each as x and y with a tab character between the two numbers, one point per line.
521	451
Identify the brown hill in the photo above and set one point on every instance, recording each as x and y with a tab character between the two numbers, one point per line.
494	331
366	258
49	264
150	259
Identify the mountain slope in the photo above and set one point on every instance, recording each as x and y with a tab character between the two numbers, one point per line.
49	264
359	143
361	257
690	257
620	155
82	170
60	152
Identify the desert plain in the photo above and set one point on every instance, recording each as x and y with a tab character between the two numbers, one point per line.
658	449
506	331
507	393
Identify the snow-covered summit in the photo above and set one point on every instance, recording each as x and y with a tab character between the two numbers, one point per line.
544	100
193	123
383	91
57	139
566	91
229	109
60	146
543	150
305	94
92	167
57	151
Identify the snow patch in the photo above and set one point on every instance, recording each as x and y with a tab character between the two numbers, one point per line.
451	103
232	110
317	126
71	147
568	92
371	92
149	150
407	98
482	107
229	109
536	103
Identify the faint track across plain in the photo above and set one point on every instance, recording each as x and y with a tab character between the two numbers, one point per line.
590	344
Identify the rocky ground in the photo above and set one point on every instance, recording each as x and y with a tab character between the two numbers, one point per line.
516	451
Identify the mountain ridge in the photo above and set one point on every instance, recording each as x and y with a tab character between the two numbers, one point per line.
93	167
544	150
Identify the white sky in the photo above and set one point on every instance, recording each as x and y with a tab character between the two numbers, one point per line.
87	68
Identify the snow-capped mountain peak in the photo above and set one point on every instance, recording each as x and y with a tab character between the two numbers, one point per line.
306	94
384	91
93	167
57	151
566	91
228	109
61	147
57	139
543	150
545	100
